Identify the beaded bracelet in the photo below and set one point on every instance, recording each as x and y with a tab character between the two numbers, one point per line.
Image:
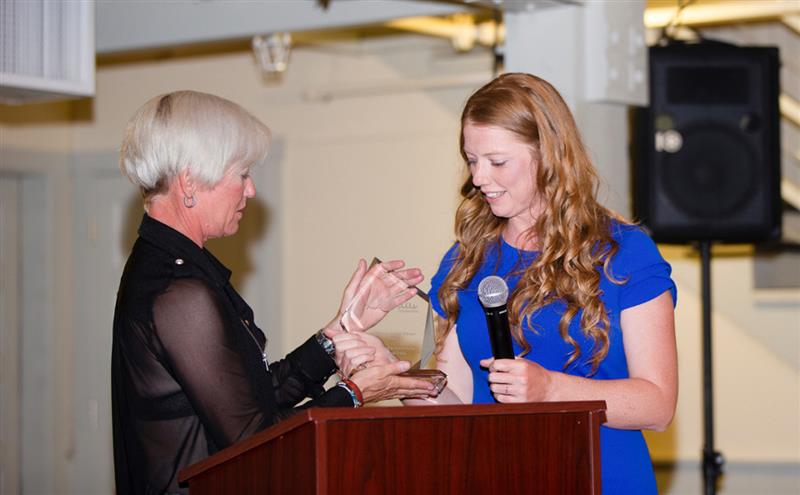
353	390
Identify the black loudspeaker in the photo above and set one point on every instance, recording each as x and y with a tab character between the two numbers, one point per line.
707	150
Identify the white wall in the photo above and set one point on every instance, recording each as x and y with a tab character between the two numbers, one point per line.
755	357
38	157
9	333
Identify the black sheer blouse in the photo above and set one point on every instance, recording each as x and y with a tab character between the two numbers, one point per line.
188	366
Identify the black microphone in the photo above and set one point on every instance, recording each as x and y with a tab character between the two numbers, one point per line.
493	294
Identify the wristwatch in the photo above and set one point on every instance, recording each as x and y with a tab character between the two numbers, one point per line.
326	343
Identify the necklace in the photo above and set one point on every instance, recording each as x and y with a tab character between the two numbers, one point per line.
262	350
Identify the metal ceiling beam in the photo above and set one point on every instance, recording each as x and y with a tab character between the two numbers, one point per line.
728	12
461	29
792	22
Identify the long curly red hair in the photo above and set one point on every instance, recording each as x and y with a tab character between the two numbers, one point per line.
573	232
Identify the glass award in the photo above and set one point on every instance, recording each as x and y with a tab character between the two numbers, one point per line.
408	331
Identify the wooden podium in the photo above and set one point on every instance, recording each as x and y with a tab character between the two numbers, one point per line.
543	448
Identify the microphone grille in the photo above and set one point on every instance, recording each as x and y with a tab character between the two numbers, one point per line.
493	291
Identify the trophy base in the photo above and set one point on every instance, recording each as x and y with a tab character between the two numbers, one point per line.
437	377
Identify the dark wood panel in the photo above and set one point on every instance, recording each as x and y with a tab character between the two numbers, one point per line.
284	465
461	455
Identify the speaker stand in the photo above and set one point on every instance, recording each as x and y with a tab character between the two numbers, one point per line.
712	459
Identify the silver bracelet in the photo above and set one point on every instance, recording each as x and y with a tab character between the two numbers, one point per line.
344	385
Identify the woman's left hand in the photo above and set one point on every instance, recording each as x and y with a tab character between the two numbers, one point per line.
517	380
370	295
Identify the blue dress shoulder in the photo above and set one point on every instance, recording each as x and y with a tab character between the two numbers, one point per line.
625	460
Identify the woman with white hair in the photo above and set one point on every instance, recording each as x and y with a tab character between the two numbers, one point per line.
190	373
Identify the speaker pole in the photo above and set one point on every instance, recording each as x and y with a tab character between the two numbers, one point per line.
712	459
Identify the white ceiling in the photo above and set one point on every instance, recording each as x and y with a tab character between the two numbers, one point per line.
123	25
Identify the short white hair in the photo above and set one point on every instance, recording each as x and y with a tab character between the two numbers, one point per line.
200	132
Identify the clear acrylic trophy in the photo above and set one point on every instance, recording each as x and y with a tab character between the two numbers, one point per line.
408	331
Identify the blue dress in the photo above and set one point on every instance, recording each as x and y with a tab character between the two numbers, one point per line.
625	461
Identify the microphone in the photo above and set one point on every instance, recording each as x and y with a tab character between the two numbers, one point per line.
493	294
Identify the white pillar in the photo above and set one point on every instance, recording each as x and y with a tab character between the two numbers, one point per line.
595	55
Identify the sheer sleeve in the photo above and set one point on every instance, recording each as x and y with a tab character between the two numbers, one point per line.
209	356
302	374
203	359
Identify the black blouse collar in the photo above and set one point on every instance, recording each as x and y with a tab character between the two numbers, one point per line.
177	245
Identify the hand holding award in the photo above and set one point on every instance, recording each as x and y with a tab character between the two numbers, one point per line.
372	294
369	298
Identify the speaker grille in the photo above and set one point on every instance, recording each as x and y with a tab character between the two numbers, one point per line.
712	175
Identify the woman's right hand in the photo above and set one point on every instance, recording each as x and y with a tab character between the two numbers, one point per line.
358	350
382	382
372	293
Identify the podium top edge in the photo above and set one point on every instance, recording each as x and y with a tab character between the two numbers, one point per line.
432	411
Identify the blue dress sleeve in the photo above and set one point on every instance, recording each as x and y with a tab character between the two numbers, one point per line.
436	282
639	263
